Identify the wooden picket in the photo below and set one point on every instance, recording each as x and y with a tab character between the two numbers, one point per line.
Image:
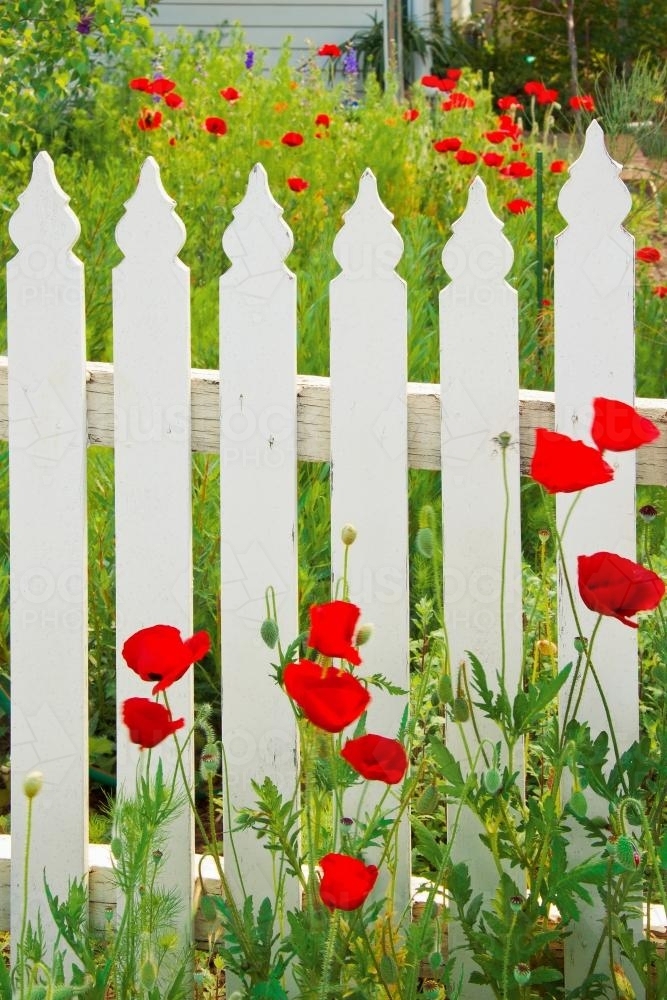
477	426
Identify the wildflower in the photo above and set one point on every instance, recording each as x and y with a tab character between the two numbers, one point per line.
230	94
264	143
292	139
558	166
449	145
280	106
509	103
161	86
149	722
454	74
350	62
323	120
584	102
84	24
465	157
618	427
376	758
331	699
172	141
521	973
612	585
533	88
140	83
518	206
547	96
517	168
174	100
346	881
457	100
332	629
159	654
297	184
249	61
563	465
492	159
149	120
411	114
495	136
329	50
507	124
216	126
648	513
660	291
648	255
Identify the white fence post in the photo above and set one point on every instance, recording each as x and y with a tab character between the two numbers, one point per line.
369	460
151	303
48	544
258	518
480	402
594	356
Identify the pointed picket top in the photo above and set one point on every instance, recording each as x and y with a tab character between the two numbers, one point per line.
594	195
44	218
258	240
368	245
150	228
478	251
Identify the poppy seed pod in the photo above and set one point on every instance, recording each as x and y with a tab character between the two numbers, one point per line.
348	534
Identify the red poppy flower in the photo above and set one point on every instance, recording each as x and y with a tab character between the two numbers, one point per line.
292	139
159	654
449	145
430	81
297	184
454	74
563	465
495	136
465	156
547	96
649	255
331	699
517	168
140	83
618	427
619	587
558	166
445	85
332	628
509	103
230	94
507	124
323	120
216	126
174	100
584	102
149	120
346	882
411	114
492	159
533	88
161	86
518	206
376	758
330	50
149	722
457	100
660	291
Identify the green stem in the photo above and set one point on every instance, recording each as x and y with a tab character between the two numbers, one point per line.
539	228
654	860
506	958
334	921
26	872
503	569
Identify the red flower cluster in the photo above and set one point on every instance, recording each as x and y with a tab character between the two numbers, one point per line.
518	168
329	50
518	206
542	94
510	103
448	145
457	100
160	87
584	102
648	255
442	83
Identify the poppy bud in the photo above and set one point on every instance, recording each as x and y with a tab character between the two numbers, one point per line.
269	632
435	699
648	513
460	710
580	643
445	689
117	847
364	633
578	804
516	904
627	852
492	780
546	648
209	762
427	803
521	974
424	543
32	785
622	983
544	534
348	534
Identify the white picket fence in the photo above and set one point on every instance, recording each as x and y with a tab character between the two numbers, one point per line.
366	419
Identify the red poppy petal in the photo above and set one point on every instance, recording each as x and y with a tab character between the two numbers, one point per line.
618	427
563	465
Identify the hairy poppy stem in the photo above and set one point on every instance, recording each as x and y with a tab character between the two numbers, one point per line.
328	955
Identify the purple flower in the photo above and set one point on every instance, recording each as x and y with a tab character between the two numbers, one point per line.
249	59
84	24
350	63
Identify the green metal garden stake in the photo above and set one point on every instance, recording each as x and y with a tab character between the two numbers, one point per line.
539	261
